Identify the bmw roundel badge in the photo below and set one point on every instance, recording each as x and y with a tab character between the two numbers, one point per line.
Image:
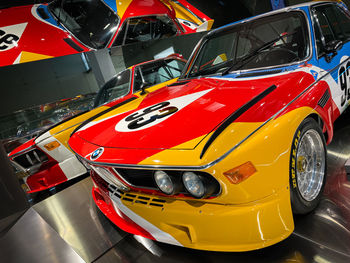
97	153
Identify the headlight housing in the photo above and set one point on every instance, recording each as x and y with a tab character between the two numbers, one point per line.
197	184
193	184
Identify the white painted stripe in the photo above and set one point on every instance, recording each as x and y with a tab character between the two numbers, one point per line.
18	59
72	168
158	234
67	161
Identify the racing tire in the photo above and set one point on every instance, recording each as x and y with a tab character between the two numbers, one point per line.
308	166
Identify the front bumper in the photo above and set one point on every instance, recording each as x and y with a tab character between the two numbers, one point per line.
54	174
198	225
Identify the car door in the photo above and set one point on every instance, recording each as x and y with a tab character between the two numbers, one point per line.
332	25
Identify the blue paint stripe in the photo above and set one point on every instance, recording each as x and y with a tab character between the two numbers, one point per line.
277	4
50	20
112	4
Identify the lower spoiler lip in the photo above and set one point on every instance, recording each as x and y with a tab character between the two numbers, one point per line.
234	116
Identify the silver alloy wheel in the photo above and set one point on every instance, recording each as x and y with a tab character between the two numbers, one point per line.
310	165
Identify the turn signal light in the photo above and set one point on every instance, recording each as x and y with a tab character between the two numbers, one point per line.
52	145
240	173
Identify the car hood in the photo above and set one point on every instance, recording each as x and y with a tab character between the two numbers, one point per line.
30	33
181	115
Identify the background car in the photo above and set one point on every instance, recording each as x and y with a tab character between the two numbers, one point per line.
66	27
46	160
222	158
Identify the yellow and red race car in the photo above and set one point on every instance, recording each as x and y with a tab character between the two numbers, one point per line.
46	161
62	27
222	158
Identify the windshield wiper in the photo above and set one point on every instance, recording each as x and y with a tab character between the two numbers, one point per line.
52	12
240	63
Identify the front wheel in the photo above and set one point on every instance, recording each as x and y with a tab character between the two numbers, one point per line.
308	165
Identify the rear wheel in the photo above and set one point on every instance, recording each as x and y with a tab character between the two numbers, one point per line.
307	167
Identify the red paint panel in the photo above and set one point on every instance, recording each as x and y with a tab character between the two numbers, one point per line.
191	121
38	36
50	175
23	147
149	7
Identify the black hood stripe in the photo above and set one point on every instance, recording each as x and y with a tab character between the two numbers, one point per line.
103	112
234	116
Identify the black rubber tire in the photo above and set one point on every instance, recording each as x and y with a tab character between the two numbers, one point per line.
299	204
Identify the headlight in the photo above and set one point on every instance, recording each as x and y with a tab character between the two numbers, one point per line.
193	184
164	182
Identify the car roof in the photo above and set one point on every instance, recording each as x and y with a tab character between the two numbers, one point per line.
282	10
138	7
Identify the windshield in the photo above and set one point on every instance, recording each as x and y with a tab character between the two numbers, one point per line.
139	29
117	87
90	21
269	41
157	72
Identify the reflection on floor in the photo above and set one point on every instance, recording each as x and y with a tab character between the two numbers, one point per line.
70	222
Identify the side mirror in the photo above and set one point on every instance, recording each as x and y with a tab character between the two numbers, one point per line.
332	49
144	85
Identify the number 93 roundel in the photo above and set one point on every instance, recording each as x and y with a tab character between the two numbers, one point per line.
154	114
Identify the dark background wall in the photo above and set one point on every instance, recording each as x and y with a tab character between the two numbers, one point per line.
28	84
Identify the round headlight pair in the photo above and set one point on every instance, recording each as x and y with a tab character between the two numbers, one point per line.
198	185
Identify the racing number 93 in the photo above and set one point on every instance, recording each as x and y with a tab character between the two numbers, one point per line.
344	81
7	40
150	114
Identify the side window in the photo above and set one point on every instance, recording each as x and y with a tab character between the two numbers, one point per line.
334	23
318	39
139	29
137	80
115	88
175	67
344	23
325	25
120	37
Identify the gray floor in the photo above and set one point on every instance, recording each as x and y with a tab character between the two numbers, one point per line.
68	227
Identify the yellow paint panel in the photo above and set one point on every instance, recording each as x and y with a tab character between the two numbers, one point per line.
175	156
222	227
158	86
182	13
122	5
28	56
